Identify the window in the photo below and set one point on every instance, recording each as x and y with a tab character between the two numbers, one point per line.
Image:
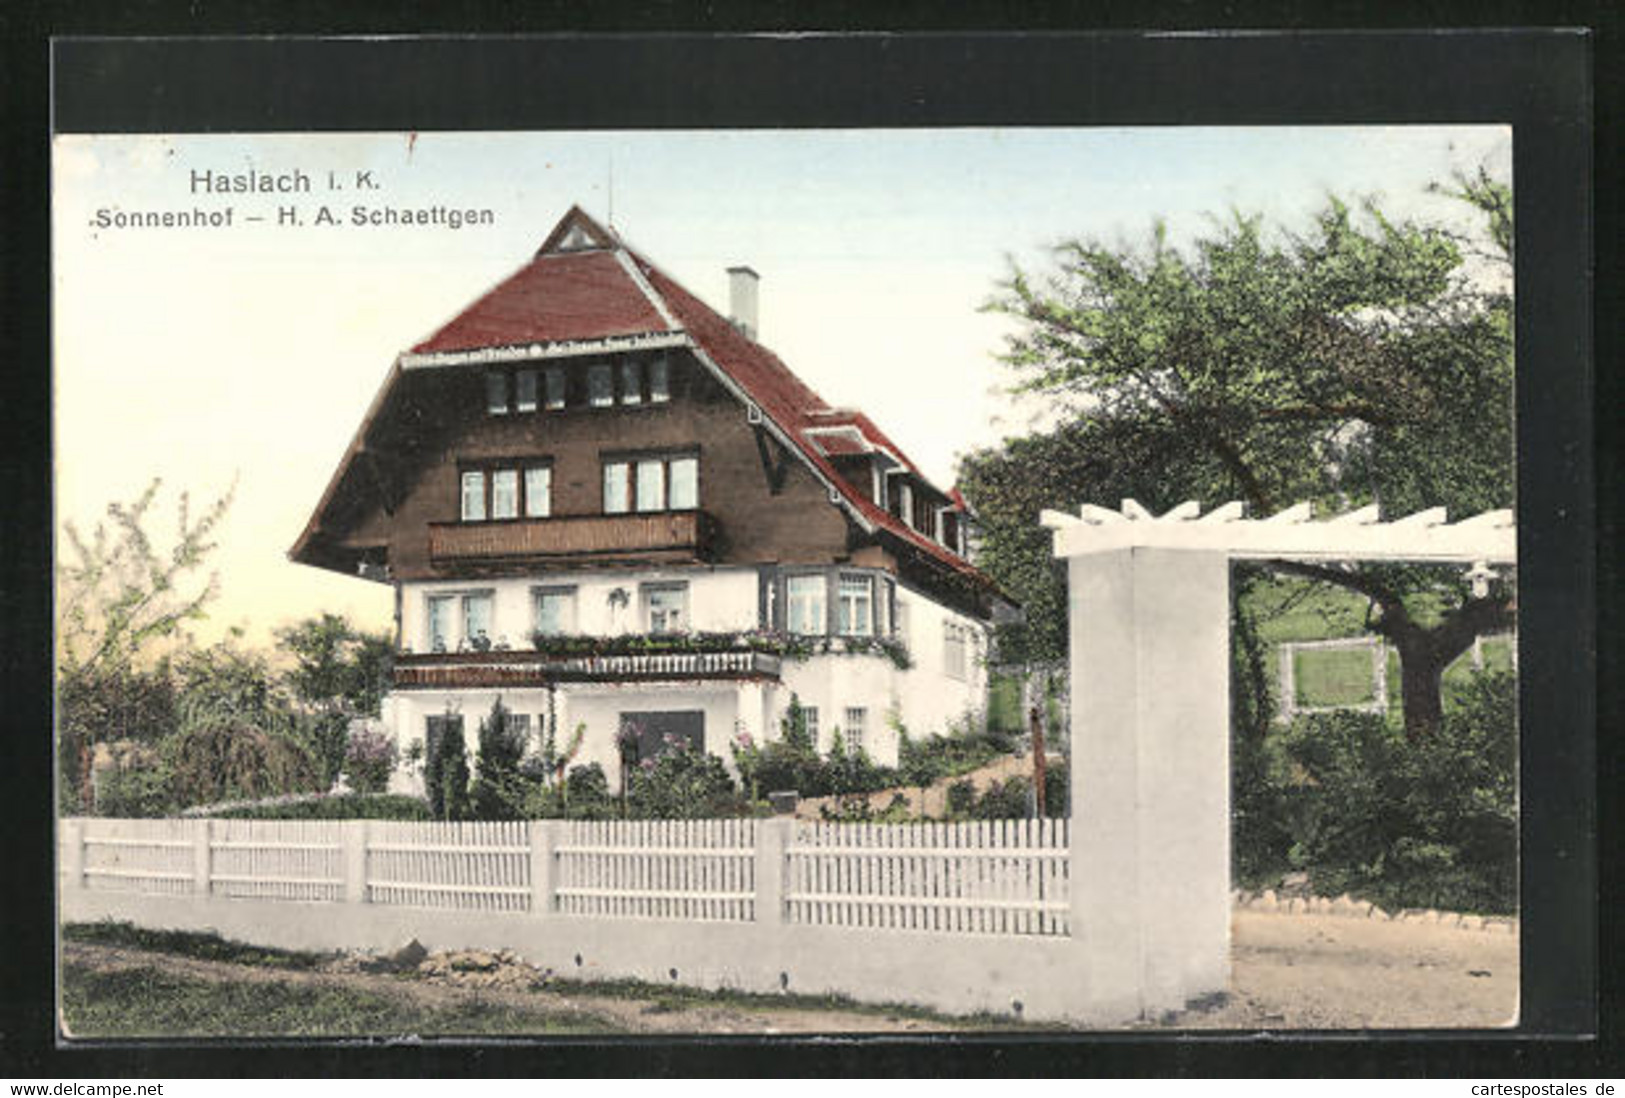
953	650
684	484
458	621
526	401
804	596
666	607
505	494
554	377
659	381
853	732
473	496
809	715
538	491
649	484
496	392
900	622
855	610
631	382
477	620
555	609
601	385
439	621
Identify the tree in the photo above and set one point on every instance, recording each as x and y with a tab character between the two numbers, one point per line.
499	791
118	596
339	673
337	668
1360	362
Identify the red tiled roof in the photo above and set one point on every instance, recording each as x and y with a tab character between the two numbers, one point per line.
570	295
562	296
788	401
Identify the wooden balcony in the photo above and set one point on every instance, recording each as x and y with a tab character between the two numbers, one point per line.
470	670
665	536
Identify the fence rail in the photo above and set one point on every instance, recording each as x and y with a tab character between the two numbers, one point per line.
989	877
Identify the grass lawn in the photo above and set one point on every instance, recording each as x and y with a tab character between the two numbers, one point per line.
151	1002
1332	676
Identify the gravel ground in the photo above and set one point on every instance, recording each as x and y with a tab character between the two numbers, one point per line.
1289	971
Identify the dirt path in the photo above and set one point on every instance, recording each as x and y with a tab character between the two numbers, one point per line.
1338	972
651	1014
1288	972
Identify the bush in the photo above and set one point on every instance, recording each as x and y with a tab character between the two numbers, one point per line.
1344	797
682	783
448	787
234	760
141	791
499	791
347	806
369	760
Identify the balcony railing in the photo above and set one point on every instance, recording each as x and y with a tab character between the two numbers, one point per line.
668	535
515	669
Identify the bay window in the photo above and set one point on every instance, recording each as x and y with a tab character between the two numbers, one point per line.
804	603
856	605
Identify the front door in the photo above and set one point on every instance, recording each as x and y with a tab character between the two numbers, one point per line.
668	730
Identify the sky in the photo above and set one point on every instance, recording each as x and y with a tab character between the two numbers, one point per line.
247	354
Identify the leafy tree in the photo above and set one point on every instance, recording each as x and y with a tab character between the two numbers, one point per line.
1359	362
449	799
338	668
119	595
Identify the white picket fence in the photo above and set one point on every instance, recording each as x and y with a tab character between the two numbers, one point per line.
979	877
1004	877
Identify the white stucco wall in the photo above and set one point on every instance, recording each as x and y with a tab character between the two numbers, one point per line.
719	600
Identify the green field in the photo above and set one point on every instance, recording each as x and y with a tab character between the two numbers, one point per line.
1332	677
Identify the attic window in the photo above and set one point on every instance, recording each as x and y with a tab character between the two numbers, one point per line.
496	392
526	400
659	381
576	240
555	386
601	385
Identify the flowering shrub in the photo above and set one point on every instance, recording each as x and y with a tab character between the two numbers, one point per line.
369	759
681	783
788	646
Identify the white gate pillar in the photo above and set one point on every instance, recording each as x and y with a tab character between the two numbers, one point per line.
1150	776
1149	606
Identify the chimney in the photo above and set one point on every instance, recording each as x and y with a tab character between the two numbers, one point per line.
742	282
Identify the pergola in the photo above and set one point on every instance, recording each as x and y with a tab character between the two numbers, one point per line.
1149	628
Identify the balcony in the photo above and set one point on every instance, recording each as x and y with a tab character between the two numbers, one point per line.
664	536
468	670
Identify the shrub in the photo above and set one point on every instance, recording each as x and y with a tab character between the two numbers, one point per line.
234	760
448	799
346	806
138	791
587	794
1425	824
369	759
682	783
499	791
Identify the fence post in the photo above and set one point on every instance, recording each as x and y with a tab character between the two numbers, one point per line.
541	867
354	844
72	845
202	833
772	837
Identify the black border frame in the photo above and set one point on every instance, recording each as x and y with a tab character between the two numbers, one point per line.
1538	80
